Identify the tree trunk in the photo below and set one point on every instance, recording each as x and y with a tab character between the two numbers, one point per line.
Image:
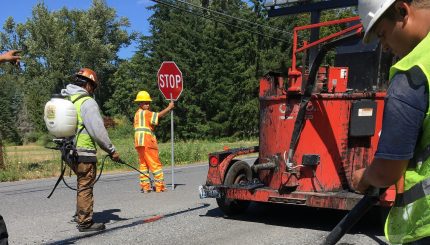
1	156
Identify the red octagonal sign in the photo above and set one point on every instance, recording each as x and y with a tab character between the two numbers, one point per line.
170	80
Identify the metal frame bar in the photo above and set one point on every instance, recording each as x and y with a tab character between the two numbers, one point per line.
357	28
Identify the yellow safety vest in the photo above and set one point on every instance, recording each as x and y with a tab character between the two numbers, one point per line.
84	142
144	125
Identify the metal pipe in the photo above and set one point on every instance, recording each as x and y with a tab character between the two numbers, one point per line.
263	166
273	3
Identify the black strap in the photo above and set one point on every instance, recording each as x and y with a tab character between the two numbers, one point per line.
419	157
68	156
58	181
419	190
309	87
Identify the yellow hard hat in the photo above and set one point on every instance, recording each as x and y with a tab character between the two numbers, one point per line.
142	96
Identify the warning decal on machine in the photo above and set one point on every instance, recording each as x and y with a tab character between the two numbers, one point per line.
365	112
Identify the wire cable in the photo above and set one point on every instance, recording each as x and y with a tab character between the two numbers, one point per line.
220	21
236	18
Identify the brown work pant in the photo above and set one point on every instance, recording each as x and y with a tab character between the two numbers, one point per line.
86	175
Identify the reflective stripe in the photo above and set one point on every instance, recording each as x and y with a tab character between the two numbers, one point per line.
419	190
86	150
142	118
86	154
154	118
145	130
159	180
144	180
157	172
140	139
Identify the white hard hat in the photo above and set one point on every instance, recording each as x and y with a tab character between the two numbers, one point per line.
370	11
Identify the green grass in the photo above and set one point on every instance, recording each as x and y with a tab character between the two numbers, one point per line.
35	161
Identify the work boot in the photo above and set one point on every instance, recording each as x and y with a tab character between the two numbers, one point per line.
91	226
145	190
158	190
74	219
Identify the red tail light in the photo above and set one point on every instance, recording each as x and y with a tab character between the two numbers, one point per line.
213	161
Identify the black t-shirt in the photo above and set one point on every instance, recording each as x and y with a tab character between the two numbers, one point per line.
406	105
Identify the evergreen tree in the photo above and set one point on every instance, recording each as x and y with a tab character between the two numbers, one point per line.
221	59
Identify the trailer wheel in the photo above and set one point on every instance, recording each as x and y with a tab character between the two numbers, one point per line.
239	172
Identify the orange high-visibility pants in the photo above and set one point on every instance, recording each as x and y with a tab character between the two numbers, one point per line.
149	161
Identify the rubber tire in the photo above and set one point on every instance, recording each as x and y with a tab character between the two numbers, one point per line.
240	171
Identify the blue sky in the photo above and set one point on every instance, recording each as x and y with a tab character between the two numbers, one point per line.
135	10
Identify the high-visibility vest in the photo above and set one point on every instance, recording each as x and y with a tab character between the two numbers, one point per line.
144	125
84	142
409	218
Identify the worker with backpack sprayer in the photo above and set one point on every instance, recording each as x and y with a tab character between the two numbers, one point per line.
90	130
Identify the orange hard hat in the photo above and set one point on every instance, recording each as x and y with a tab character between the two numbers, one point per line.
88	74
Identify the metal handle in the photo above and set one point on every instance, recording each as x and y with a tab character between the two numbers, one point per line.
356	213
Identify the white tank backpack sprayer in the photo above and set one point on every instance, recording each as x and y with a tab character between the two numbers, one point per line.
60	117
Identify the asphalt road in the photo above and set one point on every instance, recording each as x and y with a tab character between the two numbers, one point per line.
173	217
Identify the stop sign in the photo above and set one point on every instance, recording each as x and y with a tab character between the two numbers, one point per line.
170	80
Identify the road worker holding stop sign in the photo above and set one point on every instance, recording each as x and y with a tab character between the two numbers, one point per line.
145	142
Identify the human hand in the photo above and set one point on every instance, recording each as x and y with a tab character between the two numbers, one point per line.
358	182
171	105
10	56
115	156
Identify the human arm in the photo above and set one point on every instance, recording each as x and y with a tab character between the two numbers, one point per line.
405	108
95	127
167	109
10	56
381	173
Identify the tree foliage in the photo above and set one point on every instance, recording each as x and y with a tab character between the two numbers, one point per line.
56	44
221	62
222	50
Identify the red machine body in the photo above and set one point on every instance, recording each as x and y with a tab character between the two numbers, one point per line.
339	135
326	135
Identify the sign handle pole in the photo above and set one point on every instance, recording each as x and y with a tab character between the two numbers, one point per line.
173	147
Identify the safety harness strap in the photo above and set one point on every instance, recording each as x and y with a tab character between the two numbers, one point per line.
419	190
419	158
58	181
